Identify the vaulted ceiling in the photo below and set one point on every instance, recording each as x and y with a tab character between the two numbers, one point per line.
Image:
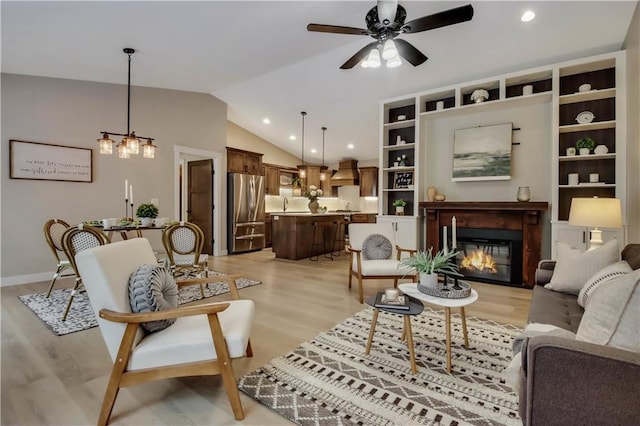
258	57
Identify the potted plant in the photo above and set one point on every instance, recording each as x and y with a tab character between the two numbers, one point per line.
428	265
147	212
399	205
585	145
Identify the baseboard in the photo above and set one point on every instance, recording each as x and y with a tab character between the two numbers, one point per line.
26	279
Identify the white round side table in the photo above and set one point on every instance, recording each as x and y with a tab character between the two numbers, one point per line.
411	289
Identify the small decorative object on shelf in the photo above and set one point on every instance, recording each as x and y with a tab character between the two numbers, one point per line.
440	197
402	160
398	139
585	117
399	205
571	151
527	90
402	117
440	105
479	95
429	265
524	193
147	212
573	178
585	145
431	193
601	149
584	87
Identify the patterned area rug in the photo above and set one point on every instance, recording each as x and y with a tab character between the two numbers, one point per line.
329	380
81	316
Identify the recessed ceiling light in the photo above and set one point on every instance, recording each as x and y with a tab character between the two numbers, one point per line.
313	150
266	120
350	146
528	16
292	137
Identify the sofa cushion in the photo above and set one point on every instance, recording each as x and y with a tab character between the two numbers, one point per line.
602	276
573	268
555	308
613	314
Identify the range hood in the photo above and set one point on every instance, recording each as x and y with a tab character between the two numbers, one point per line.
347	174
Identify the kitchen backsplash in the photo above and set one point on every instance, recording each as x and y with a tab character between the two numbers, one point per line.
348	199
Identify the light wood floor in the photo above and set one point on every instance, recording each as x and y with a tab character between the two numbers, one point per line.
61	380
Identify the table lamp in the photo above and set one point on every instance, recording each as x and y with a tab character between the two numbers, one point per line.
595	212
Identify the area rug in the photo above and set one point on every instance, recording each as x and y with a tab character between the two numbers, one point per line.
329	380
81	315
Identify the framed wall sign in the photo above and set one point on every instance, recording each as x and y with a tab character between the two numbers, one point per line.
402	180
42	161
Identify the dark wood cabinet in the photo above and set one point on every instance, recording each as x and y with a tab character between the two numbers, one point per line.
241	161
368	181
267	230
272	179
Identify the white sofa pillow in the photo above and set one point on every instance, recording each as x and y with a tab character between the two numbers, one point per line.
573	268
602	276
613	314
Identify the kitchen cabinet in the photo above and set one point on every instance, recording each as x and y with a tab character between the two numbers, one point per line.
271	179
267	230
241	161
406	230
368	181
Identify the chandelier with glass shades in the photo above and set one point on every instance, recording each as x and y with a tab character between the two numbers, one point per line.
130	144
389	54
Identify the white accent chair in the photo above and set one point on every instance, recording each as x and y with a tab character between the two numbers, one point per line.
364	269
202	341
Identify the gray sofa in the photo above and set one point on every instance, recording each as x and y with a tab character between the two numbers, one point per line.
569	382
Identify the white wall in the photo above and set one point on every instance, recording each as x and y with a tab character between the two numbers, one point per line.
73	113
530	165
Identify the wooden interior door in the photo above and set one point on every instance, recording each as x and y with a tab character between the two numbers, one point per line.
200	199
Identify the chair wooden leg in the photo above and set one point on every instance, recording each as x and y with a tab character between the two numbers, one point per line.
395	283
360	289
53	281
350	272
249	349
73	293
224	361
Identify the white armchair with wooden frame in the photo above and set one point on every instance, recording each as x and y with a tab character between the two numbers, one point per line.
203	340
375	255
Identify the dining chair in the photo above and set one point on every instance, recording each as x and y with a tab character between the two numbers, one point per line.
74	240
202	341
183	243
375	255
53	230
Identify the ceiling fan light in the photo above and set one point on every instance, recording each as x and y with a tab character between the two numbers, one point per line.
394	62
123	151
373	59
364	64
389	50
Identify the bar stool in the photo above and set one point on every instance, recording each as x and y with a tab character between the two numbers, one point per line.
319	239
339	237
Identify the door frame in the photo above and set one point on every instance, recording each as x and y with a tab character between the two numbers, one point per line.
181	155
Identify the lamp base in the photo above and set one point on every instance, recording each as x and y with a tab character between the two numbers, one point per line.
596	239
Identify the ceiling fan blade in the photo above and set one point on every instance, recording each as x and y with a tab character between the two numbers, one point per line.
336	29
409	52
438	20
355	59
387	10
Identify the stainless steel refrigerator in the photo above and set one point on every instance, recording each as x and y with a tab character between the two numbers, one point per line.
245	213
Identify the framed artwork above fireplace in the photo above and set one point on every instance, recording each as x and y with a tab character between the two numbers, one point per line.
482	153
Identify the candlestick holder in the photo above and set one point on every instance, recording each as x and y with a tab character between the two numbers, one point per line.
126	208
132	215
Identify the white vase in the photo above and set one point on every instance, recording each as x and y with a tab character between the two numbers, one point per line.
584	151
400	210
146	221
428	280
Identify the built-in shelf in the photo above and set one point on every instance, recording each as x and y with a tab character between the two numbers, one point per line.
591	95
589	185
399	169
400	124
398	190
611	124
536	98
587	157
399	147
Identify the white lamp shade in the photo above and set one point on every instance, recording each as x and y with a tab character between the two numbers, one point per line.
596	212
123	151
106	144
133	145
373	60
389	50
394	62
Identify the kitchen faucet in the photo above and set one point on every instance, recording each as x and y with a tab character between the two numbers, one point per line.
285	202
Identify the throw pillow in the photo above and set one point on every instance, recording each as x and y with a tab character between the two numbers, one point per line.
574	268
602	276
613	314
152	288
376	247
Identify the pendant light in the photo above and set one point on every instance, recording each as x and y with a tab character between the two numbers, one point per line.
323	168
302	170
130	144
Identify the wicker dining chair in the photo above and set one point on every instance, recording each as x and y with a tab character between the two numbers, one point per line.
53	230
183	243
77	239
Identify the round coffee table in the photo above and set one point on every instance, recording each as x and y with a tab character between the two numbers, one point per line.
411	289
415	308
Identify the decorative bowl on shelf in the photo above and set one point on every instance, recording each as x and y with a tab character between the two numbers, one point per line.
585	117
584	87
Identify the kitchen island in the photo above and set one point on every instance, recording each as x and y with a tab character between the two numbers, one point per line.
292	234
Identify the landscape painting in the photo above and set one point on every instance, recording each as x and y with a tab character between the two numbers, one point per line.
482	153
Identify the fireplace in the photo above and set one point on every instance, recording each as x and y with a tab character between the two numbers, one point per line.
495	217
490	255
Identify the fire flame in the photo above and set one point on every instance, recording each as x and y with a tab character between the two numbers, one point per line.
479	261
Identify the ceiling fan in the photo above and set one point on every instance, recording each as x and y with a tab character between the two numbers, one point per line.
385	22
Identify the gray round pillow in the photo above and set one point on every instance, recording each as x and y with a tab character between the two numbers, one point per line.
152	288
376	247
